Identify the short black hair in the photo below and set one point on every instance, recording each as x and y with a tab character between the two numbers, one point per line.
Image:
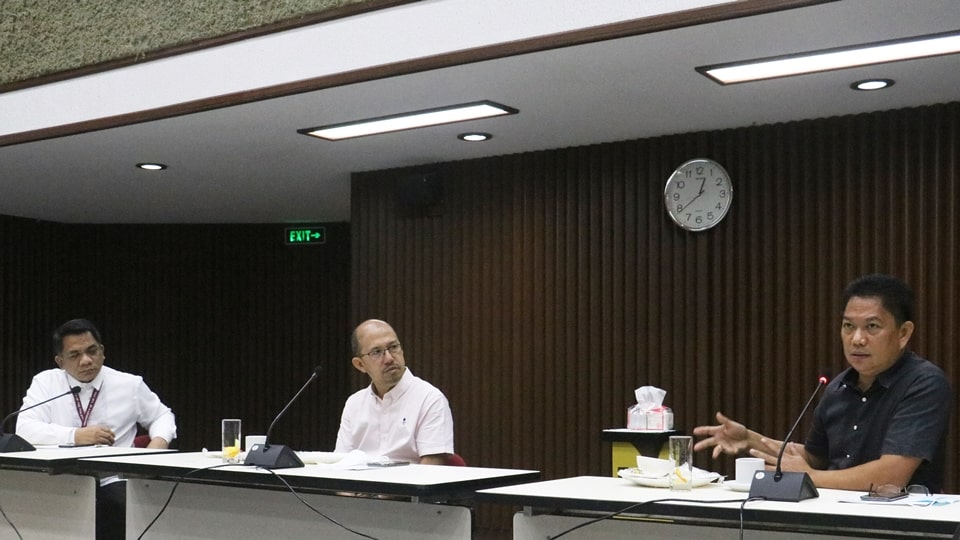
355	342
894	294
74	327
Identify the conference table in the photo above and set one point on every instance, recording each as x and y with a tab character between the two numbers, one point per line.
193	494
554	506
42	498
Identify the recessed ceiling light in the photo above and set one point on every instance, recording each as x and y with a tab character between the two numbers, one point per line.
872	84
151	166
474	137
409	120
832	59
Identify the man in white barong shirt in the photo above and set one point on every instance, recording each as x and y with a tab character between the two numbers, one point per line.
108	409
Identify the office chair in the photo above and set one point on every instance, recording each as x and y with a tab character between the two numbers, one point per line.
455	460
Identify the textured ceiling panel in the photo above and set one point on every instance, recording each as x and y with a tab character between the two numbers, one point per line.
43	37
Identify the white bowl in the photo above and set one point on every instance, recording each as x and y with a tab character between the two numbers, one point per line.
653	466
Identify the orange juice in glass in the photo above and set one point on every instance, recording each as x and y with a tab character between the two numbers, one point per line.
230	439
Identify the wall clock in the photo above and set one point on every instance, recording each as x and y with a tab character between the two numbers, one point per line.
698	194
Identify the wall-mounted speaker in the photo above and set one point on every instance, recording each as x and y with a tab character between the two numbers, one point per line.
420	193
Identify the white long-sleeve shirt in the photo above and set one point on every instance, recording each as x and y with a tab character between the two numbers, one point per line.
123	402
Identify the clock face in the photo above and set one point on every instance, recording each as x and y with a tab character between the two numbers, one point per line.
698	194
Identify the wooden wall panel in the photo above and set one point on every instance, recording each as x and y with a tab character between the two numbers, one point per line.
25	296
221	320
546	286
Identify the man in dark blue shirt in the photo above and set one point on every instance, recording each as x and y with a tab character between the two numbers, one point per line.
882	421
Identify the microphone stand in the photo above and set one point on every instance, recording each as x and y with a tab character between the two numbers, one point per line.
786	486
278	456
11	442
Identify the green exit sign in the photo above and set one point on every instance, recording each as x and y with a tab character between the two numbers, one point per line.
299	236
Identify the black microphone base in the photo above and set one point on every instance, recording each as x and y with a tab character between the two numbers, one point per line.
273	456
790	487
11	442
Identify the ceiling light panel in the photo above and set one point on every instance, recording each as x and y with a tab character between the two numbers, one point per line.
410	120
833	59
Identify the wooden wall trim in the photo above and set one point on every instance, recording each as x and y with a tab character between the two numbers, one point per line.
477	54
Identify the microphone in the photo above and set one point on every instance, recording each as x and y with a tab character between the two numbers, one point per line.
278	456
787	486
11	442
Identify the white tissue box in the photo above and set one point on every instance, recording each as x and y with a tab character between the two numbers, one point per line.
657	419
635	418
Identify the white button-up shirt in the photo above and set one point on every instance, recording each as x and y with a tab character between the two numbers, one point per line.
123	402
413	419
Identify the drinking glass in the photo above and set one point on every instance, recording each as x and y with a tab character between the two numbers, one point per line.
230	439
681	459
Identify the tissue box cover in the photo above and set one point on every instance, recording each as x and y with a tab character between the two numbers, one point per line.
656	419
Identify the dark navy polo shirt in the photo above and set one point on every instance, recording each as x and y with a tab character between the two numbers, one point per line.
905	412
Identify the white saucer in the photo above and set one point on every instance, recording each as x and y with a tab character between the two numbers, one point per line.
736	486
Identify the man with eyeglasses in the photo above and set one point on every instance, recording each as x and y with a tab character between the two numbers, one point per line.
398	416
882	421
107	411
110	405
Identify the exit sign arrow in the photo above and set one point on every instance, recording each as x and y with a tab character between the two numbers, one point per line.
299	236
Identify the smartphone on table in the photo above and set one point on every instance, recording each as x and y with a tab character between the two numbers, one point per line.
876	497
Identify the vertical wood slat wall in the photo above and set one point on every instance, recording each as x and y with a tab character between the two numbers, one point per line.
546	286
222	321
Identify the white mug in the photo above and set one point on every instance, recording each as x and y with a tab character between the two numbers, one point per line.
251	440
746	466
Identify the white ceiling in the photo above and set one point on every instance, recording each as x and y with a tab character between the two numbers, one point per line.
247	164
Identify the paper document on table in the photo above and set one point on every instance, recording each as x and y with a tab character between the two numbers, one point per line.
934	500
333	460
328	460
318	458
912	500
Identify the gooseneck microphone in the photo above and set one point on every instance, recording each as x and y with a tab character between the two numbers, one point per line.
11	442
277	456
779	473
789	486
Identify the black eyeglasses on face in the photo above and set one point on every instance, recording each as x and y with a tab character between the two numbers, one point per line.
377	354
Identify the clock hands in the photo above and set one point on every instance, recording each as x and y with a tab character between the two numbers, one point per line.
702	183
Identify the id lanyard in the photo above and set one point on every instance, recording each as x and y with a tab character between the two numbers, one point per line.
85	415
